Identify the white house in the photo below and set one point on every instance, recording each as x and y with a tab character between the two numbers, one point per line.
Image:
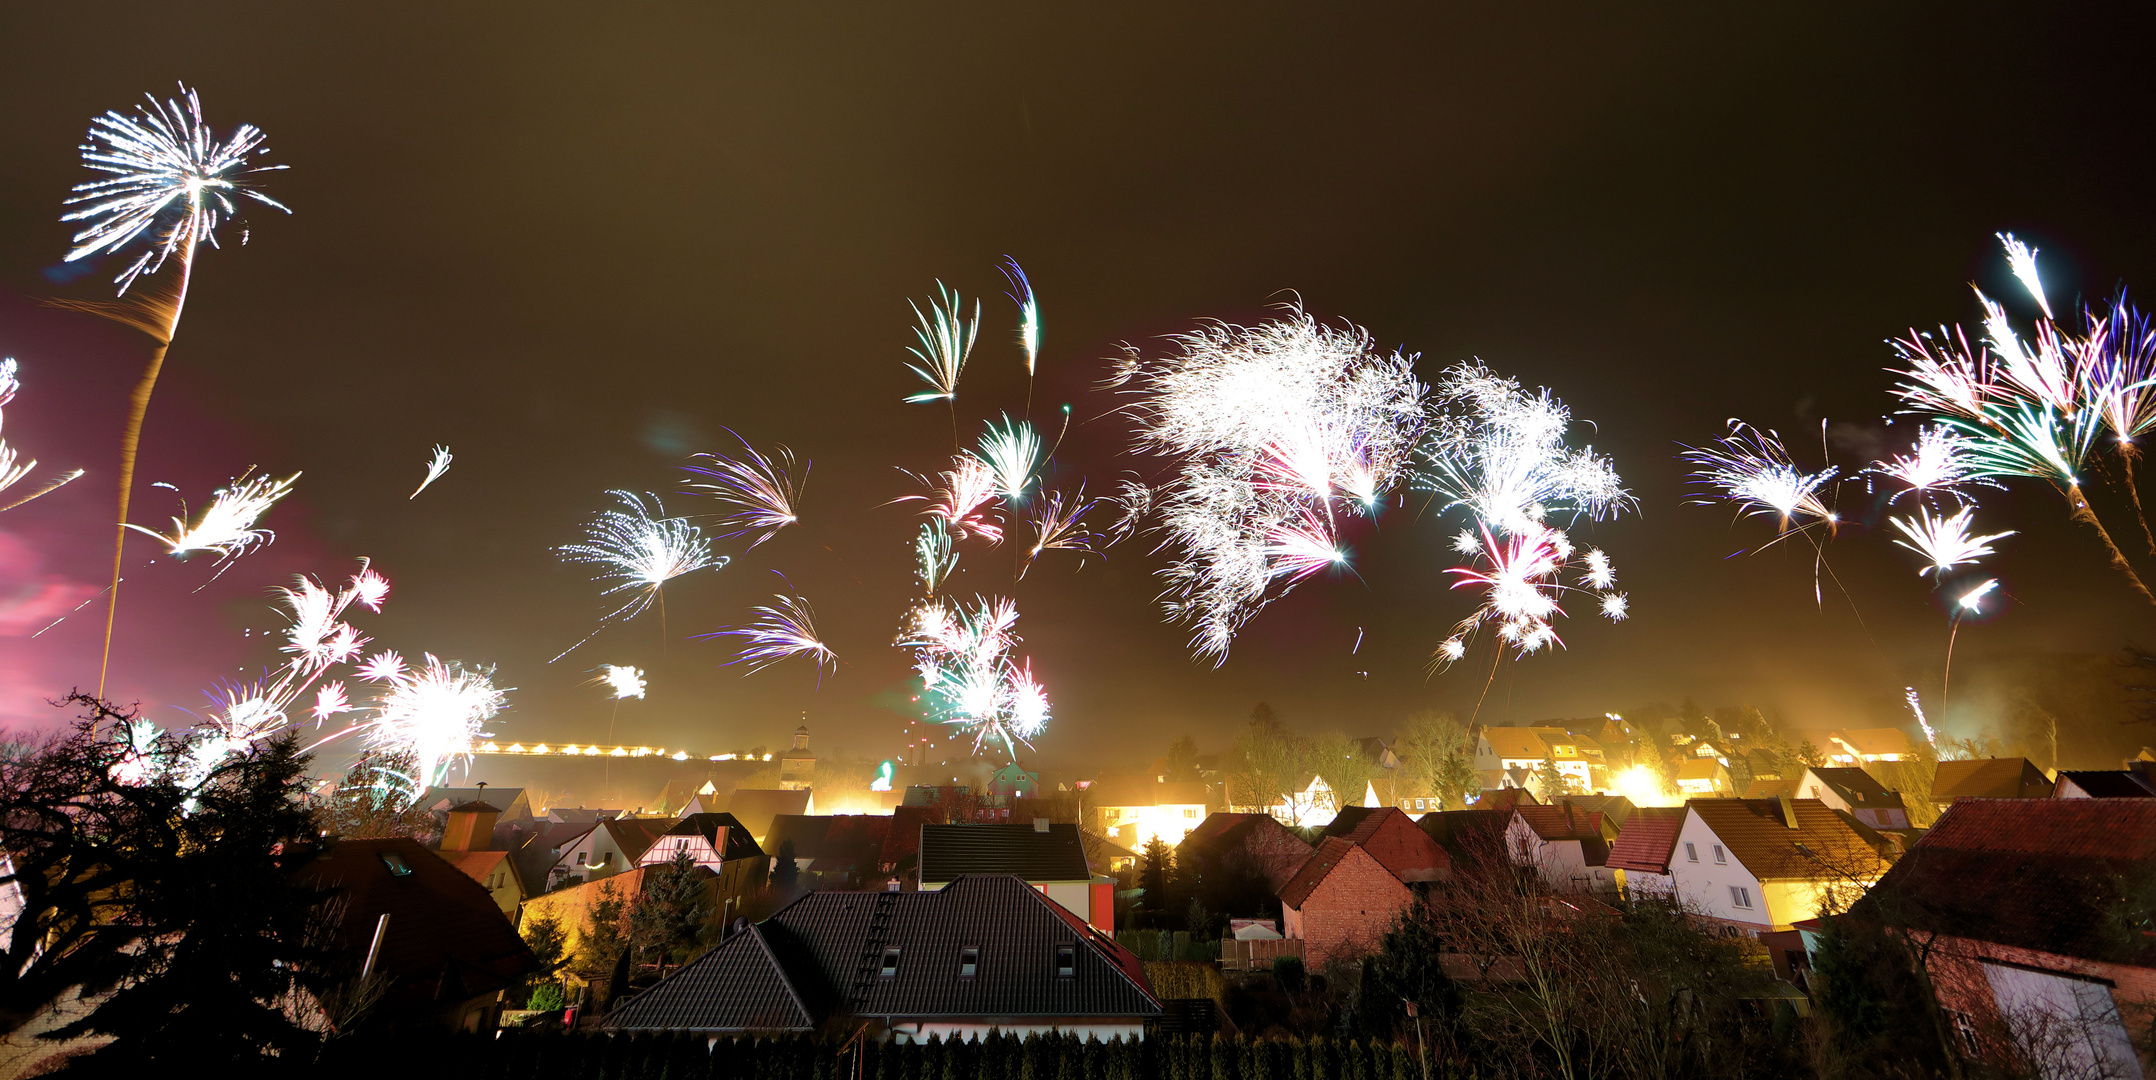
1134	810
1568	846
1756	864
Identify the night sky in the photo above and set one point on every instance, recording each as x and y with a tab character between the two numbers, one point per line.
577	243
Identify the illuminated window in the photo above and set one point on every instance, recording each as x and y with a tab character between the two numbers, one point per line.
969	962
1188	812
1691	854
1066	961
890	961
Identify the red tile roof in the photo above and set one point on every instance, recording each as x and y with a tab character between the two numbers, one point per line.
1392	838
2048	874
1648	839
1319	866
1562	822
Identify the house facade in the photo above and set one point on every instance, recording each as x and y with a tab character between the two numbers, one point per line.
1135	810
1340	902
1761	865
980	954
1568	846
717	843
1393	839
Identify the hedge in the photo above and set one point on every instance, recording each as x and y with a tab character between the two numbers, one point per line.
518	1055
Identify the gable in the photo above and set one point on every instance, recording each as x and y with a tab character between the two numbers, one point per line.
739	985
1339	875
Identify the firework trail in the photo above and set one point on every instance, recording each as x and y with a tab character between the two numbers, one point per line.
781	630
1944	542
638	550
765	493
1916	709
10	470
227	526
436	466
970	680
1029	320
169	181
1240	410
1970	603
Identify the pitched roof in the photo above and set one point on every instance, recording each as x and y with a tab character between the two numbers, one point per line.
2105	783
476	865
949	852
1469	835
1701	768
1891	740
1989	778
1823	843
1274	850
538	854
1144	791
634	836
1563	821
2049	874
824	952
447	940
807	833
1392	838
1648	839
1099	850
739	844
1515	742
1505	798
511	800
1615	809
1315	869
1769	788
1855	786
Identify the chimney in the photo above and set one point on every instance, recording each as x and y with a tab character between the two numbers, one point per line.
1040	824
470	827
1789	811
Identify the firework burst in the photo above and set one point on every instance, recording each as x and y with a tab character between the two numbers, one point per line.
435	712
436	466
12	469
1011	451
638	549
622	681
1522	579
764	491
970	680
1944	542
1059	525
227	525
781	630
944	338
1499	452
1753	470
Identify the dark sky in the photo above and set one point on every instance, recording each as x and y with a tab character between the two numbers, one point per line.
575	242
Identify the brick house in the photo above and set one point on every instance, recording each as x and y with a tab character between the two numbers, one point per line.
1340	903
1257	844
2027	909
1392	838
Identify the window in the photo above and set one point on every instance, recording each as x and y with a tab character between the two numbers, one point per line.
1066	961
1719	857
890	960
1114	813
1189	812
1691	853
1740	896
396	865
1418	804
969	961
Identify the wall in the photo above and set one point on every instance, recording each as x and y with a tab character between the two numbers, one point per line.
1705	885
1348	912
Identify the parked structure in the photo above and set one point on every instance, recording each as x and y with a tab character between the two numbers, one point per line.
981	953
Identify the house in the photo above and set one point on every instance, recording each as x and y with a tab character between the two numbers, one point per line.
717	843
1762	864
1854	792
1308	803
600	850
797	766
1500	750
1136	810
572	907
1477	838
982	953
515	804
675	797
757	807
1013	781
1340	903
1704	776
1568	846
1401	792
2102	784
445	949
1378	752
1257	846
840	851
1392	838
467	844
1989	778
1049	857
1646	844
1617	809
2018	904
1105	856
579	815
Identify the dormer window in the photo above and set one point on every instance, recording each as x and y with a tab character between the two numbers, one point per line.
1066	961
396	864
969	961
890	961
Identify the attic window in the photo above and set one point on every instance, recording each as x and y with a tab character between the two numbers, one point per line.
1066	961
1691	853
396	865
969	961
1719	857
890	961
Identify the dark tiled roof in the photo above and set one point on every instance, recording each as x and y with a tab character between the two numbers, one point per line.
447	940
1505	798
1648	839
2106	783
826	950
1561	821
1823	843
1613	808
1989	778
739	844
949	852
1352	818
634	836
535	856
758	808
1393	839
1471	836
2048	874
1099	850
805	831
1856	787
1271	847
